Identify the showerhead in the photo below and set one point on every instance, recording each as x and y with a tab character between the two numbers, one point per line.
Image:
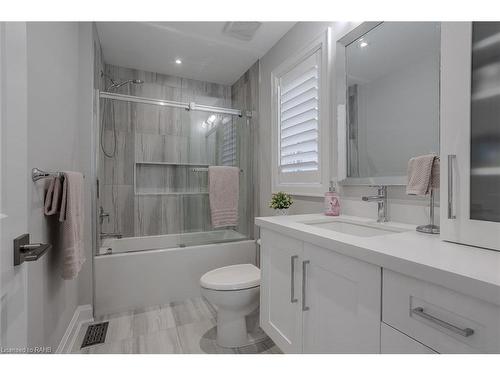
115	84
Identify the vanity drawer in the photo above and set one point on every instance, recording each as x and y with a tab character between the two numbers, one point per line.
394	342
440	318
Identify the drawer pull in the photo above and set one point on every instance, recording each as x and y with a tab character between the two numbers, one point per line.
292	278
466	332
304	278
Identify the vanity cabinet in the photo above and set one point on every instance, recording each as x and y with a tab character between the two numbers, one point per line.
470	135
314	300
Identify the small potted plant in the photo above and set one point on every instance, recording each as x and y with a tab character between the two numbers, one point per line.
281	202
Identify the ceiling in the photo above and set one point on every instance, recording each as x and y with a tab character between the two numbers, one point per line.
206	52
391	46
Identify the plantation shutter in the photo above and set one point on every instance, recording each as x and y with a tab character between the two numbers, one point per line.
299	117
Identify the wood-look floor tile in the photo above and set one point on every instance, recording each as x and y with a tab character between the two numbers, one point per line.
184	327
160	342
192	310
199	338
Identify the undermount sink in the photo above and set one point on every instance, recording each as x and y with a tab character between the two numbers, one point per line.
354	228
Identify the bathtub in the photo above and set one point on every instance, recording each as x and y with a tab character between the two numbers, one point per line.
136	272
130	244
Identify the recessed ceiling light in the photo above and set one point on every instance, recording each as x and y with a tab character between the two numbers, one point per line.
363	44
178	61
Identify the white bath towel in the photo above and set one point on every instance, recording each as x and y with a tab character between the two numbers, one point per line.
71	216
224	195
423	174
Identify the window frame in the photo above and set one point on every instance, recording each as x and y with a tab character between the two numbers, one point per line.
301	183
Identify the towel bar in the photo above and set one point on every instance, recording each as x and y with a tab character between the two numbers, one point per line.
205	170
38	174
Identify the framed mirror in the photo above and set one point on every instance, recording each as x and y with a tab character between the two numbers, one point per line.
387	78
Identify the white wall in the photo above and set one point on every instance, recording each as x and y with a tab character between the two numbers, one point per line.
60	74
14	184
401	207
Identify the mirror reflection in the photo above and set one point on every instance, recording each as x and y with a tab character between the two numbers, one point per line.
392	88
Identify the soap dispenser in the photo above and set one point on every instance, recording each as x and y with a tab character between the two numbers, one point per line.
332	202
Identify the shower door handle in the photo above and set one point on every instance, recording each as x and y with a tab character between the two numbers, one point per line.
451	159
292	278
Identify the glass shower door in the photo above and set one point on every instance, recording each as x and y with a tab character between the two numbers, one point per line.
215	139
153	165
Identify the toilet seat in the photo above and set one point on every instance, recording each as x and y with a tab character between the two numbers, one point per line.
235	277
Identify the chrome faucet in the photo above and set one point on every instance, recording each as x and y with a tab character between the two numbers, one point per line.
381	199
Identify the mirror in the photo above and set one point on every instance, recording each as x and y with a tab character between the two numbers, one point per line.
388	104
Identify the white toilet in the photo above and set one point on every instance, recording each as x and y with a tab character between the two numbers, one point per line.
234	292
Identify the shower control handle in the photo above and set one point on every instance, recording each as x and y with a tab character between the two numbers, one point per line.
102	215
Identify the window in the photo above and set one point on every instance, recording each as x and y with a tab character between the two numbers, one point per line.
298	124
300	130
228	153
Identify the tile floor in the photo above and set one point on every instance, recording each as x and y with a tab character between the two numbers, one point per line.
181	327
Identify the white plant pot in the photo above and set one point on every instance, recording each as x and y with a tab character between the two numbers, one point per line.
281	212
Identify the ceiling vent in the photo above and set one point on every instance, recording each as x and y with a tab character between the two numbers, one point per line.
241	30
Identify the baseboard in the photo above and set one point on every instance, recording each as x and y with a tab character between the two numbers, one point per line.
82	314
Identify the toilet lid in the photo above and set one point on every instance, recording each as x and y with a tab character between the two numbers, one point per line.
239	276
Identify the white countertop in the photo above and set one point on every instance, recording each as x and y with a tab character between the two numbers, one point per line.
470	270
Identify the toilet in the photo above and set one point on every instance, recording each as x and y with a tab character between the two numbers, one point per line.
234	292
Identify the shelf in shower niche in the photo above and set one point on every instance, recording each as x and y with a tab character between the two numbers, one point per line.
174	179
172	164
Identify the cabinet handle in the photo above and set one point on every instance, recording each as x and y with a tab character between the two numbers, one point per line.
466	332
292	278
304	266
451	159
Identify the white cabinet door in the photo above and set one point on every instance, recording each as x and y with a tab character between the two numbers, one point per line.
470	135
341	303
280	300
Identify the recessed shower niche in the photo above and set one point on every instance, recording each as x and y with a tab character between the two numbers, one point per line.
158	178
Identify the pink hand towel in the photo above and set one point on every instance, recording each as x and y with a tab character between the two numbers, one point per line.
71	217
224	195
52	197
423	174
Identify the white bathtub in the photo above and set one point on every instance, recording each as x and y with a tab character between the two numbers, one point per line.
148	271
128	244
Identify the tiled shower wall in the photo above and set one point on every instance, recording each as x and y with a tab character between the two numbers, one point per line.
244	94
161	146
